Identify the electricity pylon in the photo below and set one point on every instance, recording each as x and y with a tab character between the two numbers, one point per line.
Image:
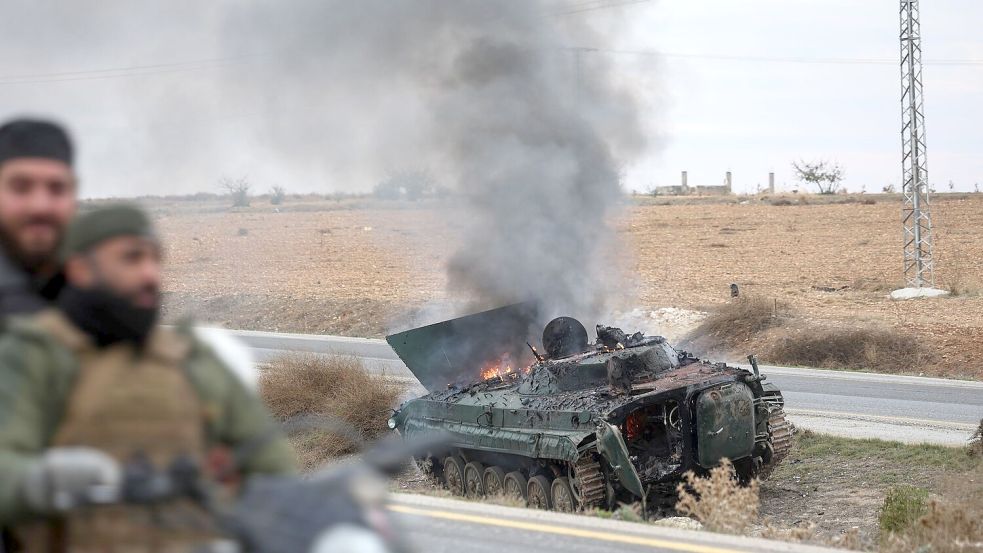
918	269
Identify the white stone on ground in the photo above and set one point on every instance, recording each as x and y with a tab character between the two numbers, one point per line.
671	322
682	523
911	293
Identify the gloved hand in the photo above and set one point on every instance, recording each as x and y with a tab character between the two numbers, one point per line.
63	476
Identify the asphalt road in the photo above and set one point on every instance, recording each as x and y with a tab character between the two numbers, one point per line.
851	404
438	525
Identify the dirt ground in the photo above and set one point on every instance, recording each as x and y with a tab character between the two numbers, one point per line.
361	267
828	487
839	484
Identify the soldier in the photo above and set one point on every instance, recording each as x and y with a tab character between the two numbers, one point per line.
37	200
94	384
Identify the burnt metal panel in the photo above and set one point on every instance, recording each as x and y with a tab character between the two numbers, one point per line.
724	423
454	351
612	447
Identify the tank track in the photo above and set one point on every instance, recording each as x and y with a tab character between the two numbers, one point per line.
780	432
591	487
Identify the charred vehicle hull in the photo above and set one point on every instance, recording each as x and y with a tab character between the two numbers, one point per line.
615	422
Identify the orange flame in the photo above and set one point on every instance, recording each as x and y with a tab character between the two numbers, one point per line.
502	369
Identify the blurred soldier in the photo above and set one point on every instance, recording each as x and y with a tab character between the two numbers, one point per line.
37	200
89	387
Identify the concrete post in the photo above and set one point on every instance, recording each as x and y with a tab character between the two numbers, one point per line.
684	184
771	183
727	182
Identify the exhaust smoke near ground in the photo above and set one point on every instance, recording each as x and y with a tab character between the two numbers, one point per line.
489	98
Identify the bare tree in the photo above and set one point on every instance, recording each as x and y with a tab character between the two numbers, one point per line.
238	189
277	195
822	174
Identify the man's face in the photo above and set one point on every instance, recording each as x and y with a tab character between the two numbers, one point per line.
37	200
127	266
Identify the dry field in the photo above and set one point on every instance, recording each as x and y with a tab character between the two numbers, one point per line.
361	268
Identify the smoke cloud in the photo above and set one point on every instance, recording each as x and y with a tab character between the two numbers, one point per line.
489	97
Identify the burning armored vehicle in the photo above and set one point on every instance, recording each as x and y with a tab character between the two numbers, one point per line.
581	425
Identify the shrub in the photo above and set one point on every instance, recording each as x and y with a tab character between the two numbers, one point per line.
338	387
951	523
277	195
238	190
738	320
976	441
903	505
718	500
850	348
947	527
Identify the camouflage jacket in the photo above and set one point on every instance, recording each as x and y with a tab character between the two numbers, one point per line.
37	375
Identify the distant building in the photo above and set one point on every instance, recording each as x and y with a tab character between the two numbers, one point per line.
673	190
721	190
684	189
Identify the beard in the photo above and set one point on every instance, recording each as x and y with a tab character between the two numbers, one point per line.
108	317
33	258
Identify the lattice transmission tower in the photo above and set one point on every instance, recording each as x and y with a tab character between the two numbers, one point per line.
918	269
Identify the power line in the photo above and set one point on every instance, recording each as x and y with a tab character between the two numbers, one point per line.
217	63
119	69
119	72
776	59
598	5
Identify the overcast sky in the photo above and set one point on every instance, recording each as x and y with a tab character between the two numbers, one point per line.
752	117
714	101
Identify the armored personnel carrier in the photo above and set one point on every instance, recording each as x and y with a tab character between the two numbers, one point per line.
581	425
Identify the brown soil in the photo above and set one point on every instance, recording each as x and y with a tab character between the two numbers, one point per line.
360	267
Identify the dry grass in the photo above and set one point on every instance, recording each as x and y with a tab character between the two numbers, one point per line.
879	349
756	323
952	523
976	441
958	282
337	387
867	284
793	534
718	500
738	321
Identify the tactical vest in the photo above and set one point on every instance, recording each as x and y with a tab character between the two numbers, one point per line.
127	402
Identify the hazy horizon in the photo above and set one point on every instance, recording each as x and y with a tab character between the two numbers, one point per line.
747	88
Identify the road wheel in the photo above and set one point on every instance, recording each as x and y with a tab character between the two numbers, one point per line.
538	493
562	495
474	485
494	481
454	474
515	485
